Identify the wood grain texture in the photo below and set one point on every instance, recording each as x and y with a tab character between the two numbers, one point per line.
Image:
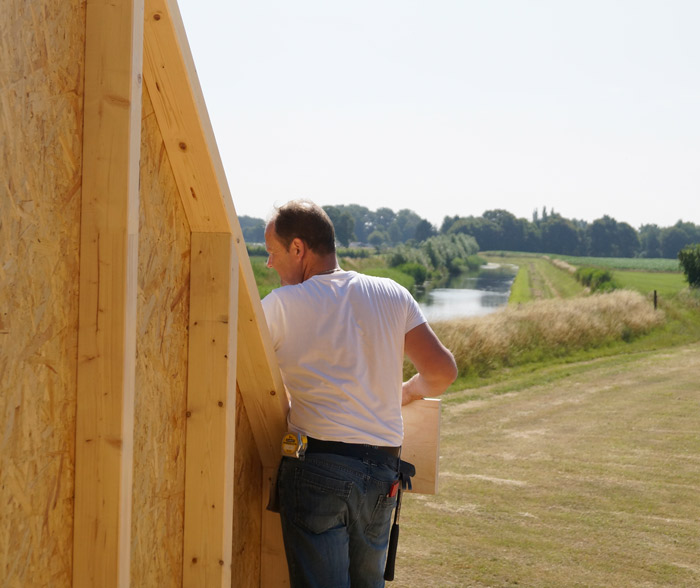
41	88
211	411
108	293
179	105
161	368
172	82
247	529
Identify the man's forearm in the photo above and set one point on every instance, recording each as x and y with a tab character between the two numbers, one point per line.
419	387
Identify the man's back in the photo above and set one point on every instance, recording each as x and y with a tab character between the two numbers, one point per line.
339	339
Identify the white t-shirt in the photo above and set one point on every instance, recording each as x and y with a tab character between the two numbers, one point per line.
339	341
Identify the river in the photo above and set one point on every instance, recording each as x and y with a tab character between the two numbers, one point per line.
470	295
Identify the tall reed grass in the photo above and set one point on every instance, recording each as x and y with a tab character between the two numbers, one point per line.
545	329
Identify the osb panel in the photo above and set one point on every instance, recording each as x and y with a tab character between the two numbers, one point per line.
161	368
41	87
247	504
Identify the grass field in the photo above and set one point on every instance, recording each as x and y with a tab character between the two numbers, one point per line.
583	476
538	278
666	284
624	263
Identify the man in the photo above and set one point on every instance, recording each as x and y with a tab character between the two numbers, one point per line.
340	339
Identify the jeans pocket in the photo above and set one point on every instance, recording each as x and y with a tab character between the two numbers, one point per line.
321	501
380	522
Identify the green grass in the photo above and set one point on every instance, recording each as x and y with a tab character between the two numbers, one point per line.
666	284
520	289
537	278
624	263
265	278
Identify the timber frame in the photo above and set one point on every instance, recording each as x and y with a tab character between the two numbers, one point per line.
142	406
144	163
224	307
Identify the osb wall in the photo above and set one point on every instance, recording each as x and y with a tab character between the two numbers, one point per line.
161	391
247	505
41	86
161	368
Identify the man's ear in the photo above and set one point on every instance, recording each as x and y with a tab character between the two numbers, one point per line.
297	247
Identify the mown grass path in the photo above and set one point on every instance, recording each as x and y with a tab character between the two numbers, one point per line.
592	479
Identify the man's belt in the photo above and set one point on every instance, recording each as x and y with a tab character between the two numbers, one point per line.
377	453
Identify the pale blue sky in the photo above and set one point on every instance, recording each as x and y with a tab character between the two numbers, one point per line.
456	106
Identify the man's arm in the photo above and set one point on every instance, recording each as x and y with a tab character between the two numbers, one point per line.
435	364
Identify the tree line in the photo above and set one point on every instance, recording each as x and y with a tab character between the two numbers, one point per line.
546	232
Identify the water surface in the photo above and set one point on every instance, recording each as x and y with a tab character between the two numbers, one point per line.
471	295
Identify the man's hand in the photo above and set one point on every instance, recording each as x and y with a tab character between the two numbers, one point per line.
411	391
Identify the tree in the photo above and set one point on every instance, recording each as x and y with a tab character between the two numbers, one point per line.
447	222
377	238
673	240
253	229
511	229
344	228
689	258
407	221
608	238
424	230
626	241
559	235
650	240
601	235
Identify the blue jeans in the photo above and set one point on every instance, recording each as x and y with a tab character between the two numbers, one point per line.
336	518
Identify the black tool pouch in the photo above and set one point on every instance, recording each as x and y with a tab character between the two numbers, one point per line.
406	471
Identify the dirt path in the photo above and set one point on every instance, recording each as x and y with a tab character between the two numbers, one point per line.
591	480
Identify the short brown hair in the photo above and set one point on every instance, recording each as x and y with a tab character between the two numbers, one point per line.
307	221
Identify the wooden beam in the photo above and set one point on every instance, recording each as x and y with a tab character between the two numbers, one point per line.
211	411
260	381
179	105
108	290
172	83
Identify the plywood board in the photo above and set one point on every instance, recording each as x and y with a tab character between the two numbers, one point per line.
161	368
41	88
247	529
171	78
421	447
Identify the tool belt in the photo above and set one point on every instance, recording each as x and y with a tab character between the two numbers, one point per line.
379	454
296	445
376	453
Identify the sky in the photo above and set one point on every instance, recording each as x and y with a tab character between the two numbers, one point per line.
456	107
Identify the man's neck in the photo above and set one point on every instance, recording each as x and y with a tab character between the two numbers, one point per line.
321	266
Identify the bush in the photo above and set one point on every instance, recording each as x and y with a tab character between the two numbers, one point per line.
689	258
418	271
597	279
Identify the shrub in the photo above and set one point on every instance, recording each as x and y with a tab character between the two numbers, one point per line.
689	258
597	279
418	271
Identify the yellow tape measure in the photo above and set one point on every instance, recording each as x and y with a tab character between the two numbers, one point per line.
294	445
